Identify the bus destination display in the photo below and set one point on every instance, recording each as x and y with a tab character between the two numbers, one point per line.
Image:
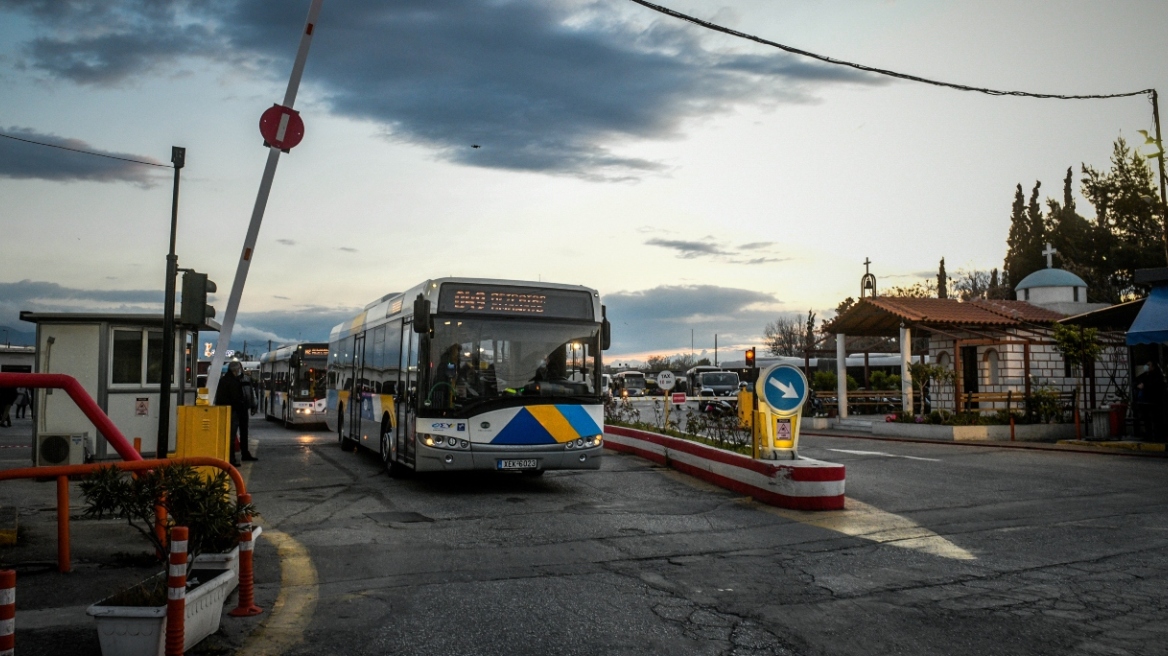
489	299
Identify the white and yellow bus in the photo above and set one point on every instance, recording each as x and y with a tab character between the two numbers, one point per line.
469	373
292	383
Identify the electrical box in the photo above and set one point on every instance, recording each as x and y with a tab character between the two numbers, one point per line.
204	430
55	449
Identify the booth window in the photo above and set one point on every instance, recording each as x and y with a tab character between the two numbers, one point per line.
137	357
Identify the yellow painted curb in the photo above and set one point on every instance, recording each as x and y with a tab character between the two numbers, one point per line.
294	606
10	518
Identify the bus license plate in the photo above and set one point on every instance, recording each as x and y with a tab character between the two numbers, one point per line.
529	463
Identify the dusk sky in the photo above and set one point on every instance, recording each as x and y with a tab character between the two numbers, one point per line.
698	181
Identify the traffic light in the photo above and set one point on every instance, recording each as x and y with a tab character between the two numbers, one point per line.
195	288
750	357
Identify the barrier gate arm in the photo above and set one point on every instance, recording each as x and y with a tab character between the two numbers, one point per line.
85	402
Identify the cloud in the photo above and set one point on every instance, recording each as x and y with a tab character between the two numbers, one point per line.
660	319
286	242
39	296
347	249
707	247
301	323
22	160
308	323
552	86
687	249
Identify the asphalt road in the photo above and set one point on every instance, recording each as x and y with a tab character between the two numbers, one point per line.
944	549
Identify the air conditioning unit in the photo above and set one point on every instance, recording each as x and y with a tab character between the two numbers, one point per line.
55	449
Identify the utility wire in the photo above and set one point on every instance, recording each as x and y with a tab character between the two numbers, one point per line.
904	76
84	152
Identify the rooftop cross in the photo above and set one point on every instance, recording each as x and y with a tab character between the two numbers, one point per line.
867	262
1049	253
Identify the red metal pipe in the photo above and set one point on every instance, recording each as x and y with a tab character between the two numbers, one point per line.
139	465
63	472
83	401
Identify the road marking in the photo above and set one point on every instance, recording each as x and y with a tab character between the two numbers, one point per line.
299	591
296	603
857	519
860	520
881	453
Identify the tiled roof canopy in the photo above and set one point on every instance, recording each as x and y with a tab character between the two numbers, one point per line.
883	315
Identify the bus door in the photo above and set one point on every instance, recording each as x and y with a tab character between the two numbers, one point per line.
360	396
405	403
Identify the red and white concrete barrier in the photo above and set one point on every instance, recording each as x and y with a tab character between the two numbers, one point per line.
7	611
176	592
801	484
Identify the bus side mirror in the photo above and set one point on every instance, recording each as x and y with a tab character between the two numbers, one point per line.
294	360
421	315
605	335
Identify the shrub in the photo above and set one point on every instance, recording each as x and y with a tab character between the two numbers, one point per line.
203	504
824	381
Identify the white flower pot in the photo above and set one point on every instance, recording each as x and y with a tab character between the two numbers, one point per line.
228	560
141	630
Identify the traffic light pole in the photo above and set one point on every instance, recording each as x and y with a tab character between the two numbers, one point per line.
257	214
178	158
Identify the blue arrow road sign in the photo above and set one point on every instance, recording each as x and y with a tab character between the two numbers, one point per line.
784	388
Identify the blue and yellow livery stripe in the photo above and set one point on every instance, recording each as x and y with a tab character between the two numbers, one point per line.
547	424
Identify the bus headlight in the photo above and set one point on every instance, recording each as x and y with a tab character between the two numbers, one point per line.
428	440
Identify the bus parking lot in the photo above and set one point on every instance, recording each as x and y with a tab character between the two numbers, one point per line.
637	559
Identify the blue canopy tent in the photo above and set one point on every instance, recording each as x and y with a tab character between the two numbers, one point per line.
1151	324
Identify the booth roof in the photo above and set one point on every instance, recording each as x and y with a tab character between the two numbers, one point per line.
98	317
883	315
1151	326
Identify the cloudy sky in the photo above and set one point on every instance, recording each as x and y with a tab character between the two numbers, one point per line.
704	184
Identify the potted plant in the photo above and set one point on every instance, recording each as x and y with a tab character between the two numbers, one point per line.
134	621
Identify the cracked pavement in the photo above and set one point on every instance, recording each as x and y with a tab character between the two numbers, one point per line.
1040	553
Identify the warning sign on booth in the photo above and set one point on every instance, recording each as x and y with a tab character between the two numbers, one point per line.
142	407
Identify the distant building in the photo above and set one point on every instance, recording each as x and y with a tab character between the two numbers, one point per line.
17	359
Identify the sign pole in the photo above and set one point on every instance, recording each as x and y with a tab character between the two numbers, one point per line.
257	214
666	380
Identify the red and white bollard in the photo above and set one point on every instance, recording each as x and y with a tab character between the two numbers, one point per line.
247	606
7	611
176	592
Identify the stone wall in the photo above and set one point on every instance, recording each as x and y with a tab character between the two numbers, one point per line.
1047	368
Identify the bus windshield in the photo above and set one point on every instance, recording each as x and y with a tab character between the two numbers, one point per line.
311	385
720	379
474	360
634	382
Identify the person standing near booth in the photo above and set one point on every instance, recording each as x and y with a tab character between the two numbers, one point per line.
236	390
1151	399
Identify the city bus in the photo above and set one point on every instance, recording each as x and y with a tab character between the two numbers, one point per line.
629	383
469	373
292	383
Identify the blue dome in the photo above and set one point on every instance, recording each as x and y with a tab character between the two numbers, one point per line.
1051	278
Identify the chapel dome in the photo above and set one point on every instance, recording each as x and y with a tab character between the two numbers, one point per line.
1050	278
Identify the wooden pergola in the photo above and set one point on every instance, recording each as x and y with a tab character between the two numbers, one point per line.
990	322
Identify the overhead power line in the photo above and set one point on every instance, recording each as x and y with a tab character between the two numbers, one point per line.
85	152
881	71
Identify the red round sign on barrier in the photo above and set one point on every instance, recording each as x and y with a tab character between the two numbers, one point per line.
281	127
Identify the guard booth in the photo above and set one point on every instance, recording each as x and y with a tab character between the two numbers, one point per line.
117	358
